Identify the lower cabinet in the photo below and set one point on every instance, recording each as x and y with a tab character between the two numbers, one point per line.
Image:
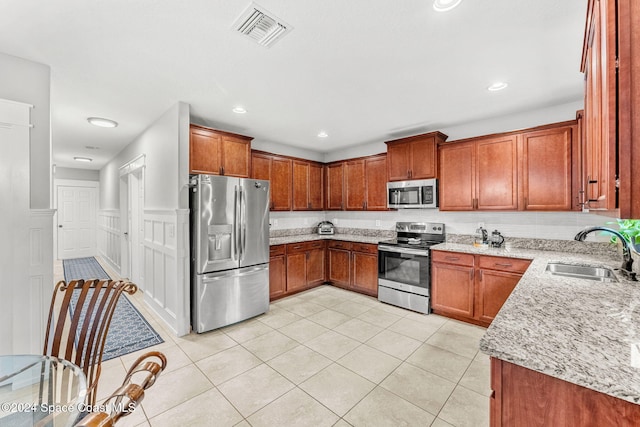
522	397
353	266
472	288
295	267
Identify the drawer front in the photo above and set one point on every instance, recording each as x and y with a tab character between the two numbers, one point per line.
276	250
515	265
452	258
339	244
365	248
304	246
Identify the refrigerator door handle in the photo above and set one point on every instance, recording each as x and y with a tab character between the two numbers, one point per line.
243	223
236	215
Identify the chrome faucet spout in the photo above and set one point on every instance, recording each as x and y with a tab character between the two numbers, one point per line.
627	260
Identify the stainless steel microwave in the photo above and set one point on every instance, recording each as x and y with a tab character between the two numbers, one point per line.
416	194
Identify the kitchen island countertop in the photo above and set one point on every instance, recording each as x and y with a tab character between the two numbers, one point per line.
309	237
581	331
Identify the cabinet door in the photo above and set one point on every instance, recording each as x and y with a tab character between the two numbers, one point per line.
300	186
423	158
494	289
497	173
315	266
277	276
260	166
547	170
316	186
335	186
339	266
204	151
376	183
296	271
236	153
398	156
355	185
365	273
280	184
457	177
452	289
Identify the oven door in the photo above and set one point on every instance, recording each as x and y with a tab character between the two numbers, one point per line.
404	269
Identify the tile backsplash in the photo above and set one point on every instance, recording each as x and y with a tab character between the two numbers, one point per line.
538	225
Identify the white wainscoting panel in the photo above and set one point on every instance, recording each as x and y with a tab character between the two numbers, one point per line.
109	235
165	257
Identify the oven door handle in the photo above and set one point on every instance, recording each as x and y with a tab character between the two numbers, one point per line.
408	251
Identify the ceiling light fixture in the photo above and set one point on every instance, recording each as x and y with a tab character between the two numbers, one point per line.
497	86
103	123
83	159
322	134
445	5
239	110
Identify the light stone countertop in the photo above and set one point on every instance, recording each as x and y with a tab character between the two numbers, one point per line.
581	331
309	237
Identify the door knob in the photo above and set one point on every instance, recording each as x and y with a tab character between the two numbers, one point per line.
126	233
60	226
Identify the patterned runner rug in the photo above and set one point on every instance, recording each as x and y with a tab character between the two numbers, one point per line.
129	330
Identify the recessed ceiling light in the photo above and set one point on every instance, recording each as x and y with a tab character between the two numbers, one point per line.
322	134
445	5
239	110
103	123
83	159
497	86
91	147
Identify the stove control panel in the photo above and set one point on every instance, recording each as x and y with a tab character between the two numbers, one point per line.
420	227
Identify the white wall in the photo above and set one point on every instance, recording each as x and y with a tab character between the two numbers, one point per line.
520	120
76	174
26	222
286	150
165	147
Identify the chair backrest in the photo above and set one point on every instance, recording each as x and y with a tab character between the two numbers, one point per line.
142	375
79	319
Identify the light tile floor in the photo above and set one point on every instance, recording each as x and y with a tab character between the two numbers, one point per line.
324	357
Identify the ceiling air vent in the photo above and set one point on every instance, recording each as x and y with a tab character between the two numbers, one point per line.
263	27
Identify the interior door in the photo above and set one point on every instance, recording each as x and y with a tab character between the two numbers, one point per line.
76	221
136	228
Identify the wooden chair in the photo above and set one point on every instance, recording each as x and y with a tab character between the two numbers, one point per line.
79	335
142	375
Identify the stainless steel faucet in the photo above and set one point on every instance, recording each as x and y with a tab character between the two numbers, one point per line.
627	261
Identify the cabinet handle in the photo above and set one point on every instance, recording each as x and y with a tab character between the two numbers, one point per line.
408	173
475	203
309	205
471	275
297	247
526	202
452	258
307	255
480	275
503	265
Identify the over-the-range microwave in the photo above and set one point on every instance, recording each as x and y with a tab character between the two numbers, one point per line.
416	194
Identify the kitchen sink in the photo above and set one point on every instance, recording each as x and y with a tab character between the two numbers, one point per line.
601	274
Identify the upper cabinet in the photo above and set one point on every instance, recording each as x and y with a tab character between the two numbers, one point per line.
414	157
308	186
334	186
278	171
531	170
611	63
365	183
218	153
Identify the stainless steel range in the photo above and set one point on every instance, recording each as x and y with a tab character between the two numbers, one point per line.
404	267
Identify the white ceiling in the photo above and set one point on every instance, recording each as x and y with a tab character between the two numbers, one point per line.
361	70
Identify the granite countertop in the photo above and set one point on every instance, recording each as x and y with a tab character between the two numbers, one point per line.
308	237
581	331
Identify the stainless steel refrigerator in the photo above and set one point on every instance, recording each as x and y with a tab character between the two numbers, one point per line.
229	250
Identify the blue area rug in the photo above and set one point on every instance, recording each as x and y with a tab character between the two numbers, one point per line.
129	330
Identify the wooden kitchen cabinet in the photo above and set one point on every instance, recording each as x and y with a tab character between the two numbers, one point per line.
549	180
305	265
523	397
278	170
472	288
413	157
479	174
308	186
334	186
611	63
277	271
353	266
216	152
365	184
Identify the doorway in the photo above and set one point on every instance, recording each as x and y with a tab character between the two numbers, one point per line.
132	214
76	219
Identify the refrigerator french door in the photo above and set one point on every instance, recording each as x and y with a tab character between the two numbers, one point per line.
230	250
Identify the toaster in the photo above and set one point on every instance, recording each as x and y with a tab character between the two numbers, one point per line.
326	227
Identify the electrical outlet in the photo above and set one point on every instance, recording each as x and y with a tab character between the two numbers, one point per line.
275	222
335	221
377	223
481	225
